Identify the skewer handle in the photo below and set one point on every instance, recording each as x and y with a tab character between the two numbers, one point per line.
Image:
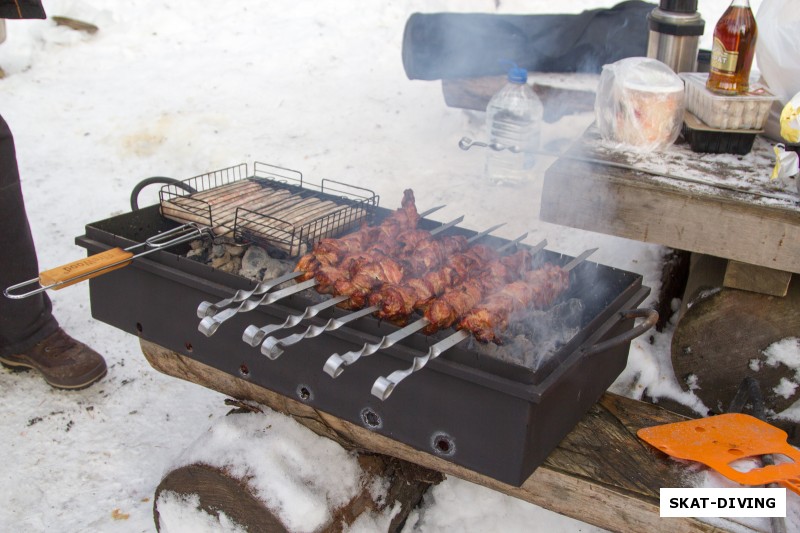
384	386
72	273
207	308
255	336
335	364
210	324
273	348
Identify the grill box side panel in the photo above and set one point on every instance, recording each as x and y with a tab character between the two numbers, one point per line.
474	426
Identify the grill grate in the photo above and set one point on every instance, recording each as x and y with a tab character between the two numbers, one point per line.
272	207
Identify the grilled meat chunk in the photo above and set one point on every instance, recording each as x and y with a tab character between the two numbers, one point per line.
538	288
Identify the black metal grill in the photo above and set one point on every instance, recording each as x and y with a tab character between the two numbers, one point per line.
488	415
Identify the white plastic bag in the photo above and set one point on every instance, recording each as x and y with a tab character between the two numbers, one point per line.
640	103
777	55
790	120
777	46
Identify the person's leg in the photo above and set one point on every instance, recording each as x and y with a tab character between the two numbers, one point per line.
24	322
29	334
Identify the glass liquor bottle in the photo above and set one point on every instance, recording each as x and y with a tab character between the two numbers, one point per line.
733	50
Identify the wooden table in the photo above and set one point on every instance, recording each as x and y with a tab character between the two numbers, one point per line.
719	205
743	230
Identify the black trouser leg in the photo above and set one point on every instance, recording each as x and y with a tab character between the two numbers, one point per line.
25	322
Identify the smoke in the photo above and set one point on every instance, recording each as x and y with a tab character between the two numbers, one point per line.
535	336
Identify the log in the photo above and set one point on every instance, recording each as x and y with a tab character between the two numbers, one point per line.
674	276
218	491
601	473
723	330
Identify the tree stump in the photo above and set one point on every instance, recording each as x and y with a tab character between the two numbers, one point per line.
218	491
720	335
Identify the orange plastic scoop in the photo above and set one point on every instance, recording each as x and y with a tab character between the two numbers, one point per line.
718	441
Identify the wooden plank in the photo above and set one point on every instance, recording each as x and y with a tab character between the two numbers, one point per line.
645	207
601	473
757	279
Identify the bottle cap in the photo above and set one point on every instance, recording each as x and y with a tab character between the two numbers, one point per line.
679	6
517	75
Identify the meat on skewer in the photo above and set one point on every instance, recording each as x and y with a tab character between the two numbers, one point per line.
458	299
398	301
329	251
360	277
359	268
445	310
538	288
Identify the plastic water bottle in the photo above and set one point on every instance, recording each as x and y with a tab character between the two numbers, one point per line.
513	119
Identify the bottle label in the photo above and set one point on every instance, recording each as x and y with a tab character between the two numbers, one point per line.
723	60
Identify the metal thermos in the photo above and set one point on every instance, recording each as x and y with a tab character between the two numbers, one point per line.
675	30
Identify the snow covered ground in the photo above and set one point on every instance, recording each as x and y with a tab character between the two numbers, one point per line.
182	88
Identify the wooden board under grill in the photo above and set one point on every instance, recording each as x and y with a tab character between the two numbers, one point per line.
288	219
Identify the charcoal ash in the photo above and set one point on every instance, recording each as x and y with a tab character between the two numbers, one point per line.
532	338
246	260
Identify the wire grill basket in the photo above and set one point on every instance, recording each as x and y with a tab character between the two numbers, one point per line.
273	207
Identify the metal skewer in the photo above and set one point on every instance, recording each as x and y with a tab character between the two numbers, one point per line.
384	386
210	324
335	364
207	308
254	335
273	348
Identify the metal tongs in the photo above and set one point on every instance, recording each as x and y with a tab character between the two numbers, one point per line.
97	264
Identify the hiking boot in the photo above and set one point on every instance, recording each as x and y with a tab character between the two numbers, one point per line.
63	362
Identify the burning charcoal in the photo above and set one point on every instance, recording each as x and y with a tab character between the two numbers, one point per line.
517	350
198	254
221	261
198	251
236	250
257	264
233	265
218	250
277	268
254	262
532	339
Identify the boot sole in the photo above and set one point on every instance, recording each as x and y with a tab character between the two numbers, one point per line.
16	366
